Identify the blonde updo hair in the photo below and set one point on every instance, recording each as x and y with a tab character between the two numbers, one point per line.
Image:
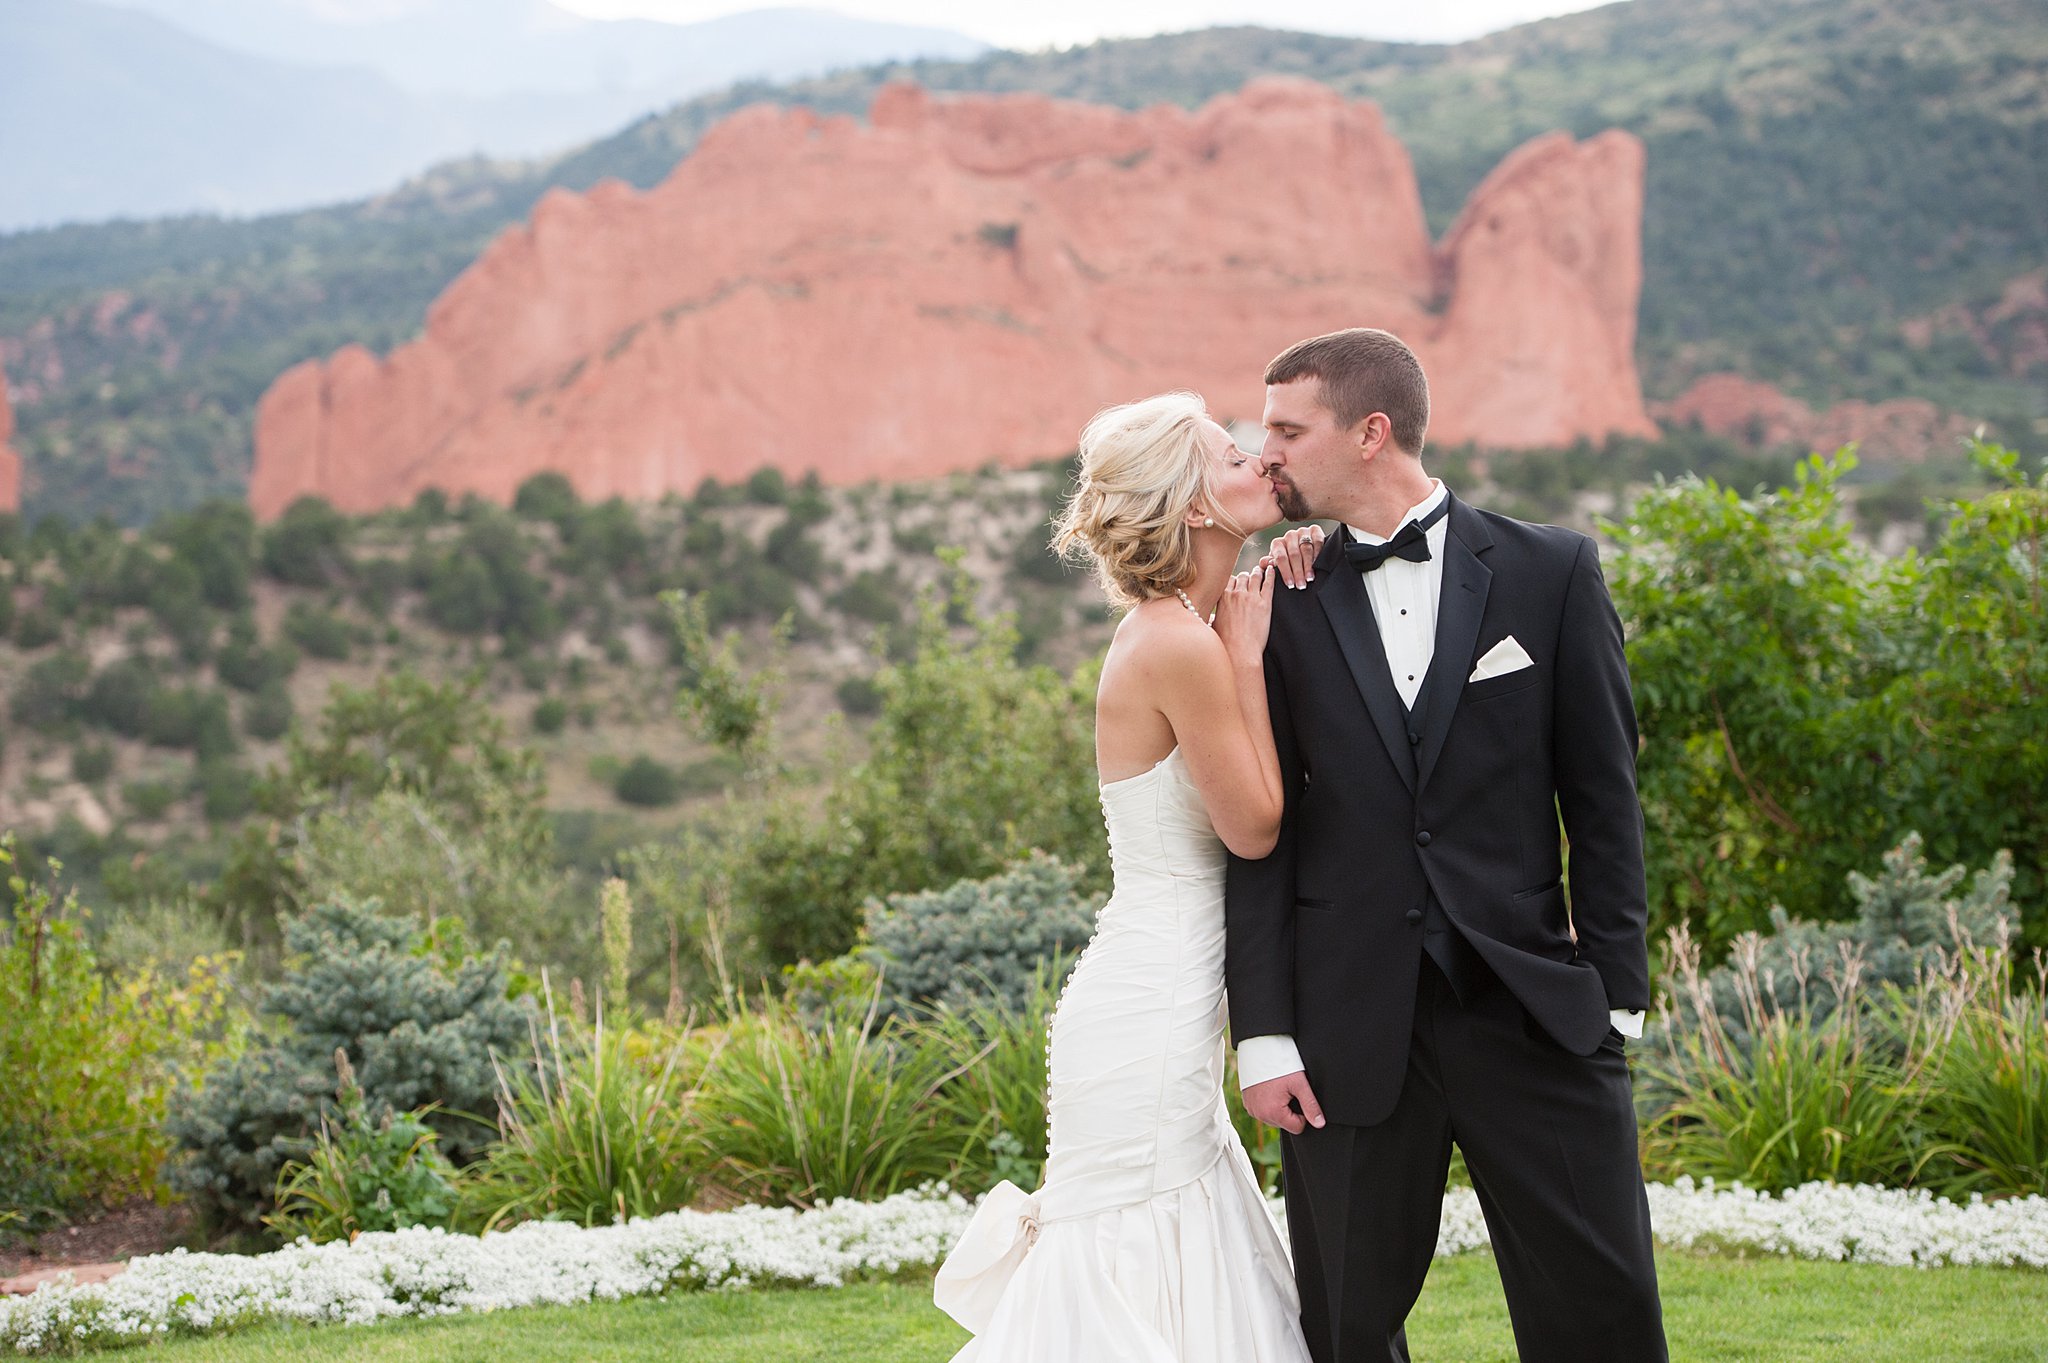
1143	466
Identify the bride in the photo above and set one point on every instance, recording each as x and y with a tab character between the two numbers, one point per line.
1148	1241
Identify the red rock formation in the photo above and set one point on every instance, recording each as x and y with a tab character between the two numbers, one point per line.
961	280
10	462
1904	430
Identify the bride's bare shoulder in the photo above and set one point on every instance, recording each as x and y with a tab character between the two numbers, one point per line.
1163	638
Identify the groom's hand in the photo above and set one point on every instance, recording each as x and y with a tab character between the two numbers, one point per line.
1287	1102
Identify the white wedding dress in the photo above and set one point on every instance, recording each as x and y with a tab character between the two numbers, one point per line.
1149	1241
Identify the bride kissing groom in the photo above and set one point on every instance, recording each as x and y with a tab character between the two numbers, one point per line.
1342	797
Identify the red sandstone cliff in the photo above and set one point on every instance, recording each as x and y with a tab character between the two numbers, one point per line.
10	462
1903	430
969	279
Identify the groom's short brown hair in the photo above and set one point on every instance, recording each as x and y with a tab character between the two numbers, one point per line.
1363	370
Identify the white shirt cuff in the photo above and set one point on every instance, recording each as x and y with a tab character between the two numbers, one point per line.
1260	1058
1627	1021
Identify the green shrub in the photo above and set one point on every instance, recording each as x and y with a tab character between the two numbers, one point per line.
119	696
872	596
550	715
50	691
646	781
89	1060
318	631
1906	919
36	629
268	713
802	1112
189	717
859	696
767	487
363	1174
996	1053
600	1127
1985	1110
981	939
546	496
416	1014
227	789
246	665
308	545
92	763
148	800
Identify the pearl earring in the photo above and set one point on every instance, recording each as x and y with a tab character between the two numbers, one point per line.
1208	522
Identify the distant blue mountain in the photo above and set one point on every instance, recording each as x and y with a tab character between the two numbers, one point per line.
113	112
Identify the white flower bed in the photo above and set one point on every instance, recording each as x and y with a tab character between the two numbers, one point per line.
431	1273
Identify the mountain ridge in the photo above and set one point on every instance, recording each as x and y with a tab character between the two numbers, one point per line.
1839	198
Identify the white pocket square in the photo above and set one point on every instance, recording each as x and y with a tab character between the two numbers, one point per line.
1504	657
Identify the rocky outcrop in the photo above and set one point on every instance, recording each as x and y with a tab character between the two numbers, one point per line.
10	462
1903	430
965	280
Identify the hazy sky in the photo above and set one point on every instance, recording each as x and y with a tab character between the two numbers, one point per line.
1048	23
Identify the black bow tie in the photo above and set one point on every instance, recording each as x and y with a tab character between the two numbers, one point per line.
1410	542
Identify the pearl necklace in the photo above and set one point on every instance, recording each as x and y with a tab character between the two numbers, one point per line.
1211	621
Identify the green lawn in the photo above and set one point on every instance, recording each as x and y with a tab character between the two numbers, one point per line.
1760	1310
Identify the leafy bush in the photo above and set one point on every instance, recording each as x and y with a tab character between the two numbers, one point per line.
1906	920
802	1112
600	1127
859	696
767	487
319	632
996	1053
646	781
190	717
981	939
227	789
418	1018
92	763
364	1173
1940	1080
268	713
50	691
246	665
308	545
119	696
89	1059
1804	702
546	496
550	715
973	762
149	799
36	629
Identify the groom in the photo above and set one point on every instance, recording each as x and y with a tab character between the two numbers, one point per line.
1405	969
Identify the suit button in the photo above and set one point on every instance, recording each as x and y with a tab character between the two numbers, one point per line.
1414	917
1414	738
1422	838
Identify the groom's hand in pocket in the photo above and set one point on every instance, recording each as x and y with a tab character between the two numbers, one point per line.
1287	1102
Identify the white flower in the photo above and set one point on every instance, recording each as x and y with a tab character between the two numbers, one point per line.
425	1272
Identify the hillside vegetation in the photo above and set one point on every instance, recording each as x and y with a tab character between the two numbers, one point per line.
1843	199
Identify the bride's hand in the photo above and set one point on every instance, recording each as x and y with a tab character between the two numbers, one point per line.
1245	613
1294	554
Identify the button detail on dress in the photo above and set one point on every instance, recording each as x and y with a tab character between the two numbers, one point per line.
1422	838
1414	917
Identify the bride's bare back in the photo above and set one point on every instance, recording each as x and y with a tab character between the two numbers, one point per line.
1170	680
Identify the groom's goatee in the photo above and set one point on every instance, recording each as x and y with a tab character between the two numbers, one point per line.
1292	505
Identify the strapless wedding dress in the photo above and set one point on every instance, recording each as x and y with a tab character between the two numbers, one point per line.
1149	1241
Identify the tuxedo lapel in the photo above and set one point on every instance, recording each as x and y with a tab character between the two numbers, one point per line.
1460	607
1343	599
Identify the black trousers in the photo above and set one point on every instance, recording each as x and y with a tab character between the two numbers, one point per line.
1550	1142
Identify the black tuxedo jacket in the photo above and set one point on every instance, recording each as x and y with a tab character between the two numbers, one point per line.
1459	801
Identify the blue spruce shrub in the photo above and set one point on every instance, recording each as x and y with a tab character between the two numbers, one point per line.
418	1018
978	940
